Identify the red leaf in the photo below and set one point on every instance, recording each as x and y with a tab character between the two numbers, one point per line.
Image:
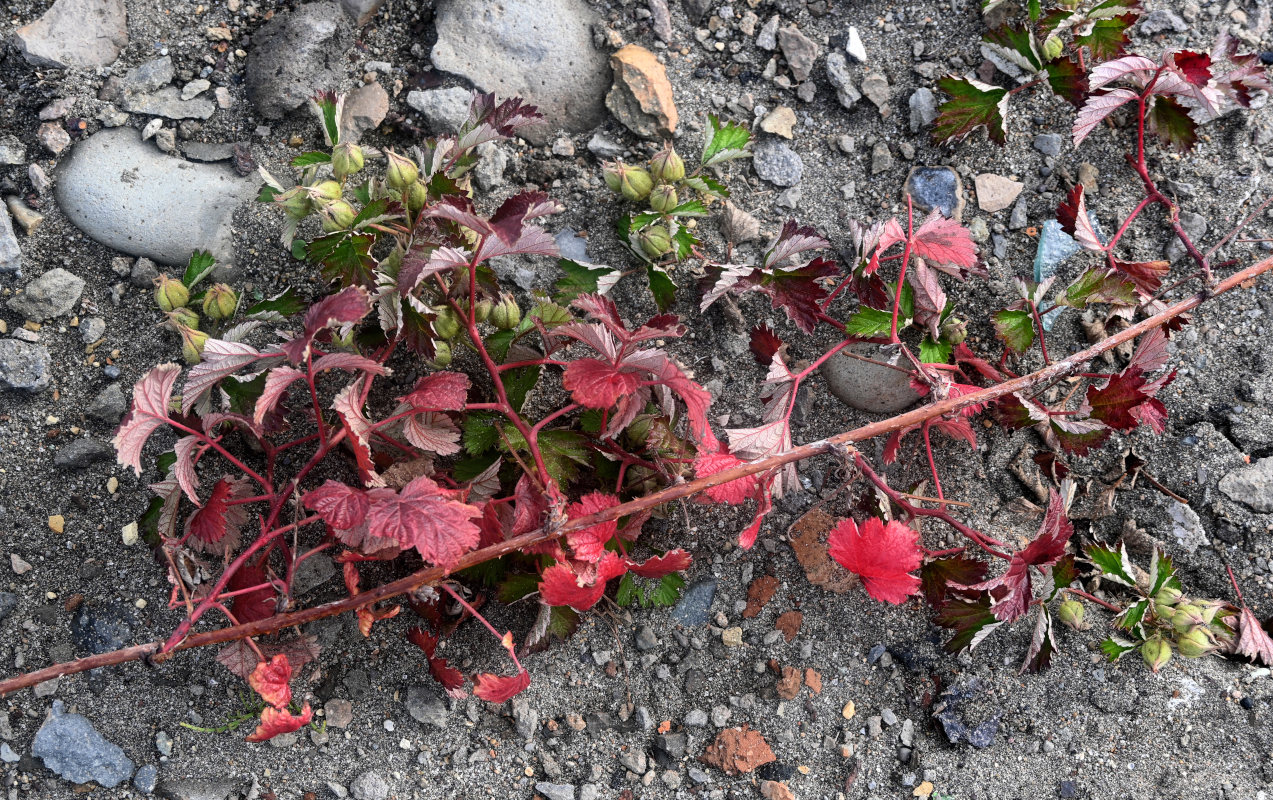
440	391
148	414
659	566
254	605
528	507
929	298
276	721
589	544
797	291
882	554
764	495
341	507
1151	352
793	240
1096	109
1147	275
369	615
1115	402
451	678
1253	642
431	431
423	517
509	218
346	307
964	355
217	520
1072	214
277	382
942	241
1194	66
598	384
731	492
270	680
498	688
1054	534
188	449
560	585
1012	591
765	344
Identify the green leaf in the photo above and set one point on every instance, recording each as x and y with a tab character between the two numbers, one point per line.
684	243
1068	80
345	257
590	421
371	212
580	279
1108	37
201	265
311	158
550	315
362	192
298	249
638	221
267	194
1162	573
1172	124
627	591
517	586
1113	8
1015	328
1116	567
1113	647
868	322
1063	574
938	352
972	105
1035	9
661	287
727	143
1017	45
1100	285
243	394
165	462
1132	618
668	592
277	307
469	468
518	383
479	432
497	344
148	523
690	208
972	622
564	453
326	102
707	186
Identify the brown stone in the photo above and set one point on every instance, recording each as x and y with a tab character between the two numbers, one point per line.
808	541
759	594
789	684
789	623
738	750
775	790
641	97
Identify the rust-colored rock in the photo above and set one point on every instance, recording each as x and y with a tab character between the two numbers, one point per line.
809	541
813	679
738	750
641	97
789	623
759	594
775	790
789	684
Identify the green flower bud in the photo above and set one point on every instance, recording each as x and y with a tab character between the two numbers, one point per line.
325	192
1186	617
347	158
192	342
1209	611
611	174
663	198
441	354
1195	643
667	165
654	241
170	293
401	172
482	311
954	330
1167	596
506	314
183	317
1071	613
417	196
446	323
220	301
634	183
1052	47
1156	653
338	216
295	202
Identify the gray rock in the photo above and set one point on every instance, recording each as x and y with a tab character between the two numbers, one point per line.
866	386
694	605
195	88
603	146
7	755
361	11
444	110
875	87
75	33
525	716
1195	225
800	51
777	163
167	103
854	46
1017	220
83	453
767	39
51	295
202	789
492	161
39	179
556	791
126	195
8	602
661	19
54	137
144	273
841	81
296	54
1186	527
23	366
109	405
936	188
645	638
426	705
100	628
92	329
147	779
1252	486
150	76
70	746
369	785
881	158
540	50
1162	20
365	108
207	152
923	108
12	151
572	245
1049	144
10	252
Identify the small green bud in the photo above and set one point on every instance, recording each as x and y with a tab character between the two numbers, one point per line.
634	183
1071	613
401	172
1167	596
183	317
170	294
192	342
441	354
482	311
347	158
954	330
506	314
220	301
1052	47
417	196
338	216
295	202
663	198
613	177
1195	643
667	165
1209	611
445	322
1186	617
655	241
325	192
1156	652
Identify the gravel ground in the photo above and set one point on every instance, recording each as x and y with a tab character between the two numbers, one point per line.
626	706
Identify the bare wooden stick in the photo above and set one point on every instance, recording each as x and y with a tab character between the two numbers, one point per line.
152	652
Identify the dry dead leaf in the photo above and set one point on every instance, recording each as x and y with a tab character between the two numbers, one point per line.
809	542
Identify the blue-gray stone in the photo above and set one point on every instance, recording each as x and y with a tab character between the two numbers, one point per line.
777	163
1055	246
102	628
69	745
693	608
147	779
8	602
571	246
936	188
23	365
7	755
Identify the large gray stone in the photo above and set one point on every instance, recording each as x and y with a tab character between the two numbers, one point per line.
167	103
870	386
75	33
69	745
53	294
23	365
127	195
1252	486
297	54
10	252
540	50
444	110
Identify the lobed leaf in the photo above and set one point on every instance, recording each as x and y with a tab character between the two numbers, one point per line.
149	413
